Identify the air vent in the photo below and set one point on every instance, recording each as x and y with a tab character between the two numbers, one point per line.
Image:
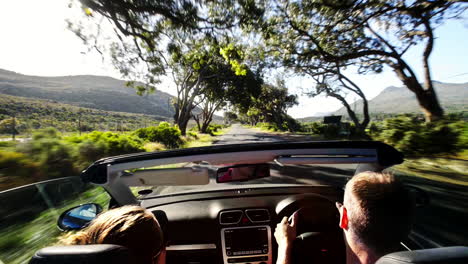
258	215
230	217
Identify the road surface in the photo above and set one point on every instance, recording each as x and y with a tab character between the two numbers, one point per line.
238	134
443	222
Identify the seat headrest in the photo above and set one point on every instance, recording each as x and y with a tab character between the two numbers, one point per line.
85	254
445	255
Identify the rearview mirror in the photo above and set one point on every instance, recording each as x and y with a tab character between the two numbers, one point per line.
78	217
242	172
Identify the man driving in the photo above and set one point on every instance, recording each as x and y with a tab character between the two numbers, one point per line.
375	216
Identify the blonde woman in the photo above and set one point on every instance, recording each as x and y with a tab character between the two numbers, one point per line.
130	226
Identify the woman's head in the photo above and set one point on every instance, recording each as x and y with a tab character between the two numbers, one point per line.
130	226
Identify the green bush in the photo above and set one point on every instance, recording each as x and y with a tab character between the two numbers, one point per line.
96	145
413	136
53	154
163	133
212	128
15	164
331	131
192	134
268	126
315	127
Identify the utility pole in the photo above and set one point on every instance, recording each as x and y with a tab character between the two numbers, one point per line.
79	124
13	129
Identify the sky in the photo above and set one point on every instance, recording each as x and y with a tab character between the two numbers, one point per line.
35	41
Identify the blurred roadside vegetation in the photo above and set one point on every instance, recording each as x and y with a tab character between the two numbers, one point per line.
49	154
408	133
28	227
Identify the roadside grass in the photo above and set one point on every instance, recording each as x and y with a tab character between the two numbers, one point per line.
8	145
454	171
203	140
154	146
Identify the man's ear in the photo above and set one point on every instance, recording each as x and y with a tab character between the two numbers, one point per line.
344	218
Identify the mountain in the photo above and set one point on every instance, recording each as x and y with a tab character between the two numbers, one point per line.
98	92
397	100
33	113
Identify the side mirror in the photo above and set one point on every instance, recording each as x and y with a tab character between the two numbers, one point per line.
78	217
244	172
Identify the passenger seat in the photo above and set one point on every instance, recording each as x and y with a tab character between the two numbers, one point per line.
85	254
445	255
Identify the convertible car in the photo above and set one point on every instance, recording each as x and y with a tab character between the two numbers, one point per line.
220	204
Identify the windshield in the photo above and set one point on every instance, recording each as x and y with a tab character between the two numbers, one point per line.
280	175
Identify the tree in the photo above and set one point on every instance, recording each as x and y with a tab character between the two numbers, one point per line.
272	105
331	81
141	43
230	117
206	74
228	87
166	38
370	34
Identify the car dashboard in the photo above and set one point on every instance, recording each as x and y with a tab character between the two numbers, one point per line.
237	225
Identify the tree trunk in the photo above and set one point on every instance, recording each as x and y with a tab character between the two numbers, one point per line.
204	127
365	111
427	98
429	103
197	120
182	123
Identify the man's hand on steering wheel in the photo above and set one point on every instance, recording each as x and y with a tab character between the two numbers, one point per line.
285	234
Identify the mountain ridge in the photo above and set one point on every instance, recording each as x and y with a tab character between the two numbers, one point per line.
399	100
90	91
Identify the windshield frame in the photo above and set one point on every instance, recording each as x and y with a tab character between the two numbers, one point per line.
111	173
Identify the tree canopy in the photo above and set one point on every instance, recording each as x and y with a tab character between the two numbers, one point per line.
365	36
368	34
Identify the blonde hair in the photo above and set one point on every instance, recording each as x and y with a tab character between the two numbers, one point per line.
380	210
131	226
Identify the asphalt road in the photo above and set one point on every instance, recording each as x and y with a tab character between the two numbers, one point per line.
238	134
441	222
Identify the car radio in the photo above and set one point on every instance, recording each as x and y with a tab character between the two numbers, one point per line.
251	244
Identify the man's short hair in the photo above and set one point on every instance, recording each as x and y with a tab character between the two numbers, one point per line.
381	211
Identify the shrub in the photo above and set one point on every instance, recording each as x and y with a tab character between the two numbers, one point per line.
163	133
48	132
53	155
192	134
154	146
290	124
15	164
96	145
412	136
315	127
331	131
268	126
89	151
212	128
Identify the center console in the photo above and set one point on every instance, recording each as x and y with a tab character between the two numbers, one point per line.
247	244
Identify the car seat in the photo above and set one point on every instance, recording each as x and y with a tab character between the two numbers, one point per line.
83	254
445	255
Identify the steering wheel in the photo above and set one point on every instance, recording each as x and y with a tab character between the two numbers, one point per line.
319	238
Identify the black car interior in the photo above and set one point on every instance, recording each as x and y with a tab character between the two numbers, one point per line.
97	254
237	226
89	254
